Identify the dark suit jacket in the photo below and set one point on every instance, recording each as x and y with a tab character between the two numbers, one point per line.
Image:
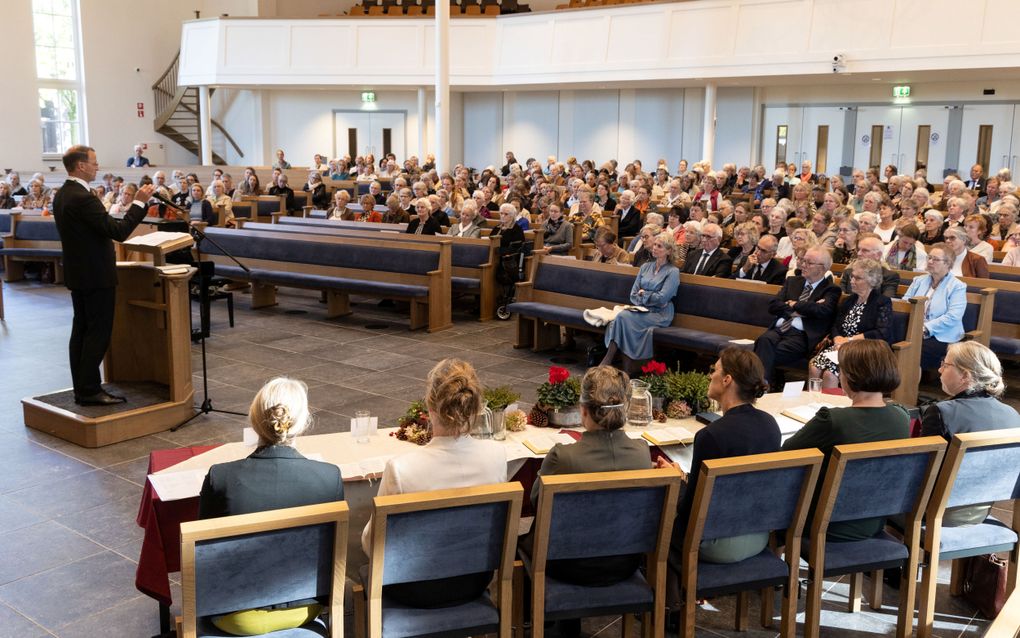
87	233
137	162
718	265
273	477
977	185
889	287
774	273
876	320
630	224
432	227
742	430
816	313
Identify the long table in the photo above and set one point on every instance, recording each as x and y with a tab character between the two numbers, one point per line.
160	553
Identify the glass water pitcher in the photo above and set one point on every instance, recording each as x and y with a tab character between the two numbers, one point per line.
640	410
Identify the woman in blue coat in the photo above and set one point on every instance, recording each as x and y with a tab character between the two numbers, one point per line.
947	301
630	333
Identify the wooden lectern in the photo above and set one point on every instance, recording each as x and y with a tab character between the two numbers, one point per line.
149	362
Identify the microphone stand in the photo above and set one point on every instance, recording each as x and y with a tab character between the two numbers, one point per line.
207	406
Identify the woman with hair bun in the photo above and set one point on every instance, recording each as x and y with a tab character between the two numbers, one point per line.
604	447
972	376
453	398
274	476
738	379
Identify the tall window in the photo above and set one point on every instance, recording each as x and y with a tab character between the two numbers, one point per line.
58	68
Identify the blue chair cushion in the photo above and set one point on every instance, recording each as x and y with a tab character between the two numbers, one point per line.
32	252
564	600
300	280
762	570
37	230
206	629
879	552
469	255
1004	345
465	283
989	537
690	339
549	312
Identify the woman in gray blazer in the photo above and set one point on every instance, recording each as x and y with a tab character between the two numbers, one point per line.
559	233
468	225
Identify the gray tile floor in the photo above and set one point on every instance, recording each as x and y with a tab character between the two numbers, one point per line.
67	530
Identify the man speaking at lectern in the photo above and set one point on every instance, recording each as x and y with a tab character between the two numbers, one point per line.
90	268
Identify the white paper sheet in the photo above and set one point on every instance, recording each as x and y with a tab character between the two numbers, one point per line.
792	389
742	342
155	239
176	486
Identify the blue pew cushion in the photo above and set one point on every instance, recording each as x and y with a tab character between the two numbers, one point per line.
549	312
879	552
300	280
32	252
737	306
465	283
610	286
1004	345
762	570
37	231
691	339
989	537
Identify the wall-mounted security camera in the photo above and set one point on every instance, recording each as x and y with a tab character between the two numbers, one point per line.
838	63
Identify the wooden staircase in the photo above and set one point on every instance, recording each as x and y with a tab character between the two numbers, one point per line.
177	113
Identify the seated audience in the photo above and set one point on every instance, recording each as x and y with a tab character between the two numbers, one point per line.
804	309
453	397
279	188
947	301
646	237
508	230
274	476
870	247
395	211
933	228
199	208
127	196
976	227
867	372
319	196
17	188
558	232
220	198
907	253
845	249
866	314
656	284
745	242
468	225
281	162
6	199
762	265
972	376
338	210
137	160
608	252
738	379
965	263
424	223
630	216
36	197
709	260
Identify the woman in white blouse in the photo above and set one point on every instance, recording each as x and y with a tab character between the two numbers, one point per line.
976	227
468	225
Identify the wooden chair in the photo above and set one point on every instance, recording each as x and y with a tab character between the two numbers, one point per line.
614	513
491	10
746	495
239	562
411	542
472	10
414	10
980	468
376	10
870	480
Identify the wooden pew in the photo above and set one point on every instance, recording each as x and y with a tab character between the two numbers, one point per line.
31	238
418	272
473	260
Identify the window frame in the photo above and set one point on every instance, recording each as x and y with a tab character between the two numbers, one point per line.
77	84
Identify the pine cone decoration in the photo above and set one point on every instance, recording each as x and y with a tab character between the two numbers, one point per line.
538	418
678	410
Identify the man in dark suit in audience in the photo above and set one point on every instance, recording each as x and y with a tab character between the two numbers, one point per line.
709	260
869	246
804	310
630	216
510	161
977	181
90	268
761	265
137	160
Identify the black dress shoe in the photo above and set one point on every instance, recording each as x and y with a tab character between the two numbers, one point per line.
99	398
115	396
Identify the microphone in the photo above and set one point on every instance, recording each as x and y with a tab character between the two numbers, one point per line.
164	200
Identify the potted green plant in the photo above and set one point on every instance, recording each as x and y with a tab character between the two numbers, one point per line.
558	400
687	393
497	400
654	374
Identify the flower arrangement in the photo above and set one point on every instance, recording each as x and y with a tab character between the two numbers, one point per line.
654	374
690	388
414	426
500	397
516	421
560	392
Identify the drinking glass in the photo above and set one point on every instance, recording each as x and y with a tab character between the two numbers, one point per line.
360	430
815	389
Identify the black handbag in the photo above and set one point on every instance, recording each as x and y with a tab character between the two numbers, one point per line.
984	583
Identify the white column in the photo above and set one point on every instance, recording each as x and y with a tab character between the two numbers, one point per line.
205	125
442	117
422	118
708	132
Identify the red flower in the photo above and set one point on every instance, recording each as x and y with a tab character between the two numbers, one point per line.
558	375
654	367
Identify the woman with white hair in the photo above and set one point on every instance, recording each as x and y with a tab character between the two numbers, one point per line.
971	375
931	233
274	476
424	223
965	263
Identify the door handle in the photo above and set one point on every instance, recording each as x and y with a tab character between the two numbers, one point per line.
1012	166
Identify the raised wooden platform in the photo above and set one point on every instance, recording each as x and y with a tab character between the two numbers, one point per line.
148	410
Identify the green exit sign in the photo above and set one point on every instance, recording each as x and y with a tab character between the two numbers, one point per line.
901	91
368	96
